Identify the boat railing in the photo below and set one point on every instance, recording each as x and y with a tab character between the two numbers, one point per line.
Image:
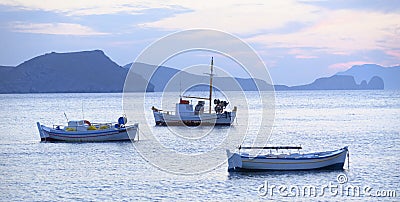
57	126
109	123
270	148
169	112
161	110
103	124
98	126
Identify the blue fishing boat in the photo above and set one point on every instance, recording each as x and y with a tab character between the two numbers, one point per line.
84	131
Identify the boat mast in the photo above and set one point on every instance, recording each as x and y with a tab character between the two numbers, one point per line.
211	79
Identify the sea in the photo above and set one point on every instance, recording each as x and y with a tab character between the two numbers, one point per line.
368	122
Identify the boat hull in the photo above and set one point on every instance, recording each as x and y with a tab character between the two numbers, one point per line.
164	119
321	160
113	134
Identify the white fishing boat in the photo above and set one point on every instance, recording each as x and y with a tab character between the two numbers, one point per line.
186	114
243	161
84	131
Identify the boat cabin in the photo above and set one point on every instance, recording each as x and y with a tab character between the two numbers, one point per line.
81	125
184	108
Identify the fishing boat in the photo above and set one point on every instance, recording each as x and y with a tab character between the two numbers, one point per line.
84	131
243	161
186	114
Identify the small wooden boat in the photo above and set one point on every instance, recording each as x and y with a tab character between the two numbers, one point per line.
187	115
243	161
84	131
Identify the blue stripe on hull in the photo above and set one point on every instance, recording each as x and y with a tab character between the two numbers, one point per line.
337	166
57	140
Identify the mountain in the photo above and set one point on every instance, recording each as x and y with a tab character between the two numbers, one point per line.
161	79
390	75
93	71
86	71
337	82
162	75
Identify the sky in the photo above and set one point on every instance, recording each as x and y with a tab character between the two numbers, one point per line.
298	40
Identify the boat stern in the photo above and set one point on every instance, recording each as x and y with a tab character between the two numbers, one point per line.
158	117
234	161
132	131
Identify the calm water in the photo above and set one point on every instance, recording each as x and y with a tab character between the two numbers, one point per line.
367	121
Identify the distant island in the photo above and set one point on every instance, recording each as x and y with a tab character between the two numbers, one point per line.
338	82
390	75
77	72
162	77
94	72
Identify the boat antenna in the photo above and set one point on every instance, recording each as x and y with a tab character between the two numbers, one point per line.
180	86
211	85
66	116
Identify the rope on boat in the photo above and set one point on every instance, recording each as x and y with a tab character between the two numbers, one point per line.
139	133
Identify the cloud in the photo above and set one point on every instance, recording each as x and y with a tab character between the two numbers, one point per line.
367	5
238	17
302	54
82	8
317	28
347	65
394	53
342	31
54	28
306	56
